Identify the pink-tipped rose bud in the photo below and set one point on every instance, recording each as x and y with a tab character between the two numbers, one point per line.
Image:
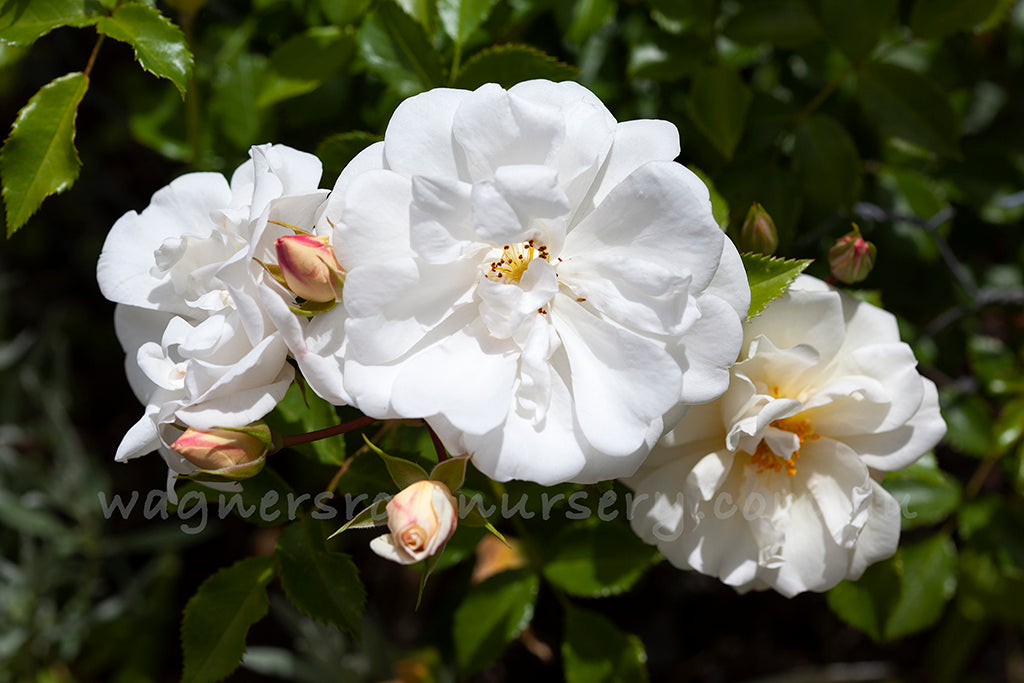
421	517
758	232
851	257
309	267
234	454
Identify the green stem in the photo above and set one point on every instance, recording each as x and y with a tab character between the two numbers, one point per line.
93	55
456	60
823	95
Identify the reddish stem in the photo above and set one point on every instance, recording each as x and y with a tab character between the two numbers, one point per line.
296	439
442	454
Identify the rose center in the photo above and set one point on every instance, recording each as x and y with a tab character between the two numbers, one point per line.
414	538
766	459
514	261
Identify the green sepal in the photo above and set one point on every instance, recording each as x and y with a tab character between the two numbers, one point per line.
273	270
451	472
225	474
368	518
474	518
429	565
403	472
311	308
337	283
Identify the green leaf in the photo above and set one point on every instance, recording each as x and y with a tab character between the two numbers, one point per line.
236	87
159	45
929	581
718	105
902	595
22	22
931	19
217	618
1009	425
588	16
829	166
397	49
784	23
403	472
595	650
305	62
344	13
459	18
507	65
492	614
926	494
39	158
323	585
335	151
904	104
993	363
969	423
855	27
598	560
769	278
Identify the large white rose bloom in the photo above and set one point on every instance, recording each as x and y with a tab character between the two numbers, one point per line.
541	283
775	484
200	350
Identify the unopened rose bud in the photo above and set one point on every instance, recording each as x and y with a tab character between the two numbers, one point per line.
421	518
758	232
229	453
309	267
852	257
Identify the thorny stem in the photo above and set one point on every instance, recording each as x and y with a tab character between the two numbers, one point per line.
296	439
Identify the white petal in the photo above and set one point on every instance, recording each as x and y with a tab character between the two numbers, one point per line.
660	213
880	536
418	139
141	438
621	382
895	449
386	547
441	220
707	349
840	485
376	227
635	143
370	159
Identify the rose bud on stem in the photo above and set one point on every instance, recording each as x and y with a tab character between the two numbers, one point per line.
421	518
759	233
229	453
309	267
852	257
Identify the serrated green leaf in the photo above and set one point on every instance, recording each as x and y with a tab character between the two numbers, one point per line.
718	105
403	472
595	650
22	23
968	423
926	494
337	150
596	561
159	45
397	49
904	104
932	19
492	614
855	27
459	18
769	278
323	585
217	618
507	65
784	23
828	163
39	158
305	62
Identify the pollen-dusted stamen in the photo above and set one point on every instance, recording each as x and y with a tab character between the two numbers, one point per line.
766	459
514	261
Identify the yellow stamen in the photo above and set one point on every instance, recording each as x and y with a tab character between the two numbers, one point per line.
514	261
766	459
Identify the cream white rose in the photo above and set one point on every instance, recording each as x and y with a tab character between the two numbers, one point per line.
775	485
421	519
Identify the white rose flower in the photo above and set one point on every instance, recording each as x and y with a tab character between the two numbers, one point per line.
201	351
541	283
775	484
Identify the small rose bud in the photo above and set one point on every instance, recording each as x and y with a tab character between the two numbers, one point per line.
421	517
309	267
228	453
851	257
758	232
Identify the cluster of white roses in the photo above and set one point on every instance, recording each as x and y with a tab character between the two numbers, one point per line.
548	290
